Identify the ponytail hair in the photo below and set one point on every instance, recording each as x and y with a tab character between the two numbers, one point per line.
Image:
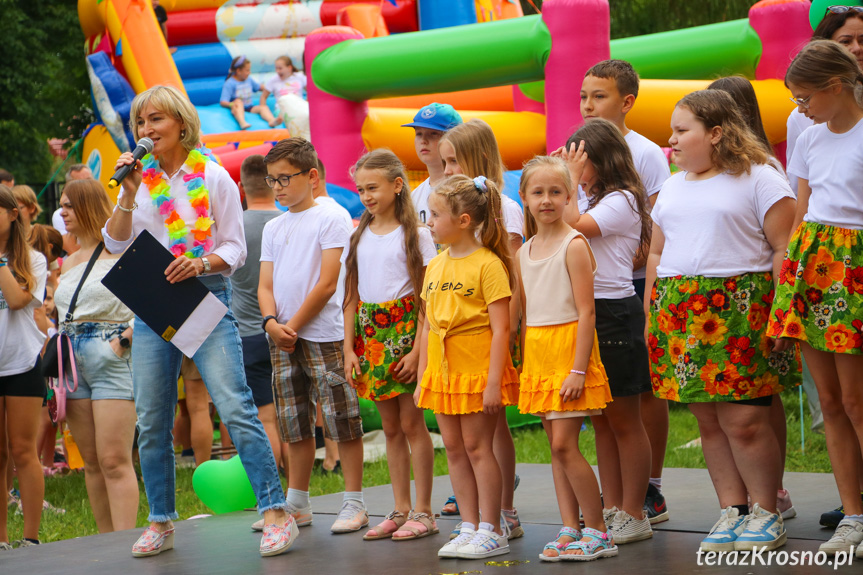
406	214
17	248
821	63
537	164
480	199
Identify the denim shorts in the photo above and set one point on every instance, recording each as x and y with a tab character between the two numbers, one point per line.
101	373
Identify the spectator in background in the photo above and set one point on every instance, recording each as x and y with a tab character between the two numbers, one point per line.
28	207
75	172
161	18
256	350
6	178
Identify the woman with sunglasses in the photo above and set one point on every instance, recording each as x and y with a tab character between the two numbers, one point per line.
180	183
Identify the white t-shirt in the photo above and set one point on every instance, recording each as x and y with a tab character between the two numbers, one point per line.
714	227
20	339
420	196
794	126
295	84
294	243
620	226
332	204
833	164
513	216
382	264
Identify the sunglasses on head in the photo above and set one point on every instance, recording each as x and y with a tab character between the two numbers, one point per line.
844	9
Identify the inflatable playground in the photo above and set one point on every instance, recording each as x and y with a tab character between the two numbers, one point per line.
371	64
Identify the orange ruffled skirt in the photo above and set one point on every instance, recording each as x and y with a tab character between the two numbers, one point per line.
459	392
549	352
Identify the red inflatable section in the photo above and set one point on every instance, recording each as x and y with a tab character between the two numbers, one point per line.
192	27
399	18
232	161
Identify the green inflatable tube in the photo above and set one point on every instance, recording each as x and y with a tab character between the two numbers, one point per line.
447	59
372	419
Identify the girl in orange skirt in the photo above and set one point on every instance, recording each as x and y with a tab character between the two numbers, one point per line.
563	379
467	374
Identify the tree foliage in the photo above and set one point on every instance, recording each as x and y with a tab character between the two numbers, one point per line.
44	89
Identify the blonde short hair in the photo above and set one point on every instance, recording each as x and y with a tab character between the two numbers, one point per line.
171	101
25	195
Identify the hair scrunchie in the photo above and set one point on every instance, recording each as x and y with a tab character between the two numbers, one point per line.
480	185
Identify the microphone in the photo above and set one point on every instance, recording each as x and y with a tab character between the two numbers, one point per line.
144	147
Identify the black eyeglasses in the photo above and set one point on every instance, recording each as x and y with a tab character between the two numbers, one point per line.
844	9
284	181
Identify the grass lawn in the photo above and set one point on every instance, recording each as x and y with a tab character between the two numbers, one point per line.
531	445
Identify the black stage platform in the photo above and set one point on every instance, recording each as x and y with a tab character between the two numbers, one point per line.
224	544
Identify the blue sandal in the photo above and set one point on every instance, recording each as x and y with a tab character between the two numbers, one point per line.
450	501
558	546
599	545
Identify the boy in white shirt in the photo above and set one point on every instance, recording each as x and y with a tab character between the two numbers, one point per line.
429	125
300	263
609	91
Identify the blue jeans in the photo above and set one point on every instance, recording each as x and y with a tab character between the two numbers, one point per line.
155	369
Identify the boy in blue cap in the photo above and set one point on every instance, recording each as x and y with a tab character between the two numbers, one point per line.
429	125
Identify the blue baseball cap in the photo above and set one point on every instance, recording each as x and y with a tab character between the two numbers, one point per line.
436	116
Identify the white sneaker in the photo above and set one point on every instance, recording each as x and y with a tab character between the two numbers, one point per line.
608	516
849	533
725	532
302	516
627	529
762	530
451	548
484	544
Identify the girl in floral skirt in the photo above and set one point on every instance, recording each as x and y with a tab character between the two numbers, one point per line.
720	228
385	265
562	379
819	300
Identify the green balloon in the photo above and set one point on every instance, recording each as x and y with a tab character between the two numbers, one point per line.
223	486
818	9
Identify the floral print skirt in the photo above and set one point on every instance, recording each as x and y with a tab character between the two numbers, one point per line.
708	340
820	295
383	334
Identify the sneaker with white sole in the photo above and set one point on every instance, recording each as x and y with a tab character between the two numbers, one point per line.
278	539
627	529
484	544
784	505
654	505
302	517
763	530
510	521
352	517
450	549
849	533
456	531
725	531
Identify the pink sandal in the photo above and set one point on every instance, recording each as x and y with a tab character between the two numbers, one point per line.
385	529
153	542
419	525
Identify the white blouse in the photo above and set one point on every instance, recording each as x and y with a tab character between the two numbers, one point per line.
229	240
95	301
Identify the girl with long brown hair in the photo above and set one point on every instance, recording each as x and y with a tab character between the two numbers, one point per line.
384	272
23	274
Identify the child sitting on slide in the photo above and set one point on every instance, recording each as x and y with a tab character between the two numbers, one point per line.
237	93
287	85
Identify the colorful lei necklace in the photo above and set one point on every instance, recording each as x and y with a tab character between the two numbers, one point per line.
179	235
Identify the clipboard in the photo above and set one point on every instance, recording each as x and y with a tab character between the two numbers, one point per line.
183	313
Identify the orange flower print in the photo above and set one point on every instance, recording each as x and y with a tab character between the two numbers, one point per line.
844	238
840	339
721	383
793	327
822	270
709	328
788	272
676	348
805	238
667	389
709	371
766	384
375	351
758	314
362	387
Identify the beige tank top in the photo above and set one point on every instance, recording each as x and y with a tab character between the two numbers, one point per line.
547	286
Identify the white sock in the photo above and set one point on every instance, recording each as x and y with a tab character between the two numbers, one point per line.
857	518
356	496
656	482
470	526
486	526
298	499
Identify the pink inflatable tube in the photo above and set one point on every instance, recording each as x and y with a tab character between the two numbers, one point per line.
783	27
579	39
336	124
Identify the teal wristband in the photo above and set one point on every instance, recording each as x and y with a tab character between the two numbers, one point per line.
3	261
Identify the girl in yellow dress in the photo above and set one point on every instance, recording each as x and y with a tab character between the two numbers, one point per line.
467	374
563	379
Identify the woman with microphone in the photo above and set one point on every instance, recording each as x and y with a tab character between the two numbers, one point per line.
188	202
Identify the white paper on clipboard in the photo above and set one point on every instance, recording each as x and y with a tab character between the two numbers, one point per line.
199	325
